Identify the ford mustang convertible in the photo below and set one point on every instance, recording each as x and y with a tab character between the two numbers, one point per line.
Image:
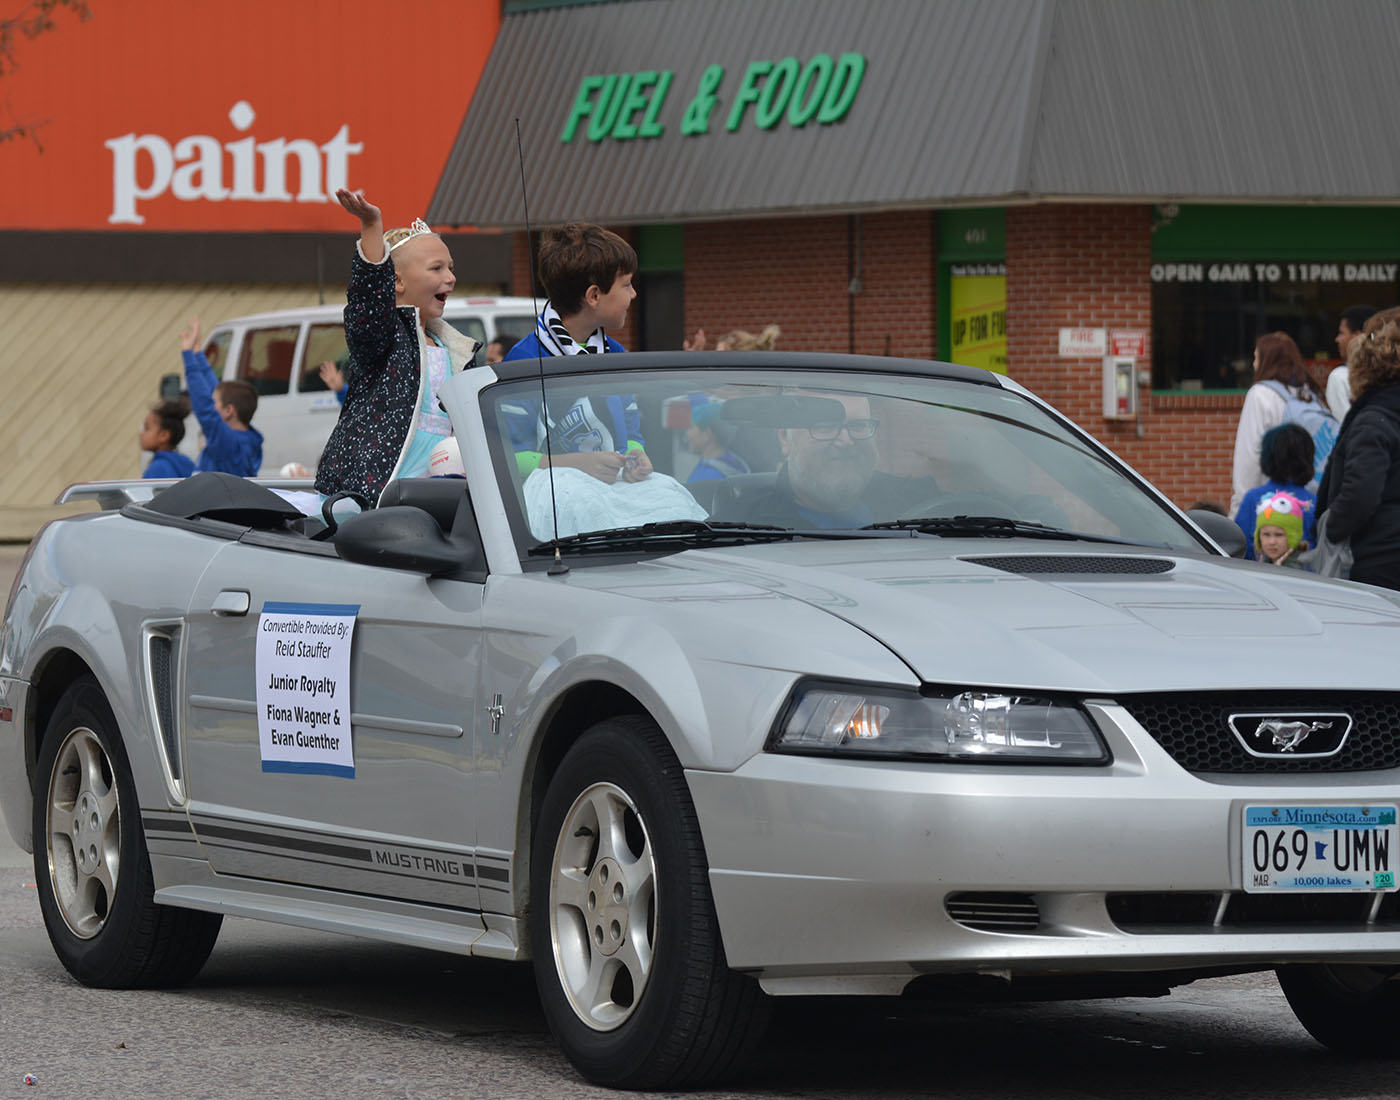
715	678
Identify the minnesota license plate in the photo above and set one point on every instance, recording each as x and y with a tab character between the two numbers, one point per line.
1319	848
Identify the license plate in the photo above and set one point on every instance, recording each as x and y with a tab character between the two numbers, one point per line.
1319	848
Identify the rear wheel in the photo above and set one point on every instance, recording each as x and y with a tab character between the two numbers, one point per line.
628	959
90	862
1350	1009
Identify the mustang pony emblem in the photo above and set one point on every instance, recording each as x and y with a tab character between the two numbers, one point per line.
1288	735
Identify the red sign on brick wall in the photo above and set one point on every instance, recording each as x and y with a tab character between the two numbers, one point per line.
1129	341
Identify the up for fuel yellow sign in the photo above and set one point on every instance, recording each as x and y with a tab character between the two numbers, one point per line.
977	301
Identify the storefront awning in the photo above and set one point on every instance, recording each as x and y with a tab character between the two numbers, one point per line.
664	111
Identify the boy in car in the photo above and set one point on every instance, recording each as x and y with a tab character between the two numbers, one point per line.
587	271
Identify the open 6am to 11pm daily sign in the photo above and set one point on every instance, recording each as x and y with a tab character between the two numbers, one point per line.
303	681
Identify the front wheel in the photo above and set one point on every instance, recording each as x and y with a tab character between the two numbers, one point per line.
93	874
631	971
1350	1009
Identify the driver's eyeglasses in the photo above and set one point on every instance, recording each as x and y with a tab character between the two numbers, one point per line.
856	429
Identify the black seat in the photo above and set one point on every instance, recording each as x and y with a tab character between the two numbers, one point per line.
704	492
734	495
438	496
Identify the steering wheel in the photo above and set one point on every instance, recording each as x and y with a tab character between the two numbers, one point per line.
962	504
328	512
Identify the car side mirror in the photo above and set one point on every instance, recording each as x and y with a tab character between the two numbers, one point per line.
1225	531
401	537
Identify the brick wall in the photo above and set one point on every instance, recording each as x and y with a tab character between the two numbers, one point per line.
795	273
1088	265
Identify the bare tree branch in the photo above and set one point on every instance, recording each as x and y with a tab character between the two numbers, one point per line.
33	19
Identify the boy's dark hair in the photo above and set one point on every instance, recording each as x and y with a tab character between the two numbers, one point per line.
1357	316
241	395
171	413
1286	454
579	255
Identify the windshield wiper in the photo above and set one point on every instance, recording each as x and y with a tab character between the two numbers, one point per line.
681	532
989	527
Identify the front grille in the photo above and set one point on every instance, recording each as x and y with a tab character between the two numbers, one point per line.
1195	730
1073	564
994	912
1173	911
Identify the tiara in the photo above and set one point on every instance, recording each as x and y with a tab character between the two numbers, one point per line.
417	229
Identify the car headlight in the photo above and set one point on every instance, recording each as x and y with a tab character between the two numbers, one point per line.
968	726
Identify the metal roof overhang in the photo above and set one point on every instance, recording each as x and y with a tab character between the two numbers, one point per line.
961	102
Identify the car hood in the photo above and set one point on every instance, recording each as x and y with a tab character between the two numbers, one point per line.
1090	619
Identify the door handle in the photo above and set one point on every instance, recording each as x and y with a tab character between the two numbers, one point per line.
231	601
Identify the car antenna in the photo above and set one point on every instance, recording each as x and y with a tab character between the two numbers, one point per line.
558	568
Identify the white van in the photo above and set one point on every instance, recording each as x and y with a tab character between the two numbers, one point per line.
281	353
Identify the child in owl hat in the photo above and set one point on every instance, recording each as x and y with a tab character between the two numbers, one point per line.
1278	530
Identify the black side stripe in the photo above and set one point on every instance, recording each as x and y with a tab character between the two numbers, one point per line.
299	844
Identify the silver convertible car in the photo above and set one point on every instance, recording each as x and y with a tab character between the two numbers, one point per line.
716	678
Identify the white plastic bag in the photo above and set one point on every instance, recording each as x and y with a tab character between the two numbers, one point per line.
587	504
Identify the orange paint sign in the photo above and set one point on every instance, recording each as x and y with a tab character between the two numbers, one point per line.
165	115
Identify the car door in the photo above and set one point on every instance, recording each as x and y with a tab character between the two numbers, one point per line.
399	822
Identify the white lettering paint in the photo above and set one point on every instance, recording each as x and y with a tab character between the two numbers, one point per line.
194	169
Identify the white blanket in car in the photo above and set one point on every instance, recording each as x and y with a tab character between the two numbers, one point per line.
587	504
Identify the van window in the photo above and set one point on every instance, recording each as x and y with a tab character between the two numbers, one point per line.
512	329
216	351
323	343
468	326
266	360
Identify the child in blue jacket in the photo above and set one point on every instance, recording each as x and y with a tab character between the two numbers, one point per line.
587	271
161	433
224	411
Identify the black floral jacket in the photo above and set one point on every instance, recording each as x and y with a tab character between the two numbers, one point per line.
363	452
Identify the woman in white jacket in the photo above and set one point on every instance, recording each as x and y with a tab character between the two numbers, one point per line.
1276	359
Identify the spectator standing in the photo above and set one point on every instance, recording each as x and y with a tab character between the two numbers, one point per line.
1353	320
497	350
224	411
334	379
161	433
1278	531
737	340
1361	491
1276	360
1286	457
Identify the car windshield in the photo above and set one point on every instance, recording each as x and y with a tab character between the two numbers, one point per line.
760	452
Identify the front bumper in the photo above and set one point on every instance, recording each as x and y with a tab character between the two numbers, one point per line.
835	875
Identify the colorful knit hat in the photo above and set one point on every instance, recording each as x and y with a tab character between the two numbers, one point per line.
1284	511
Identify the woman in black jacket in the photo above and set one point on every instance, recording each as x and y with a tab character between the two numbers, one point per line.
1361	490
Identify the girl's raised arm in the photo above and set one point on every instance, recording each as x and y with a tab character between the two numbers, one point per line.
371	222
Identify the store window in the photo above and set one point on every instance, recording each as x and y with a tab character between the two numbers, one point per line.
972	288
660	283
1224	276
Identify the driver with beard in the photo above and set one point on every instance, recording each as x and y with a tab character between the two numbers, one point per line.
828	479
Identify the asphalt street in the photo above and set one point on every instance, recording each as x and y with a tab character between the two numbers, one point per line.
285	1012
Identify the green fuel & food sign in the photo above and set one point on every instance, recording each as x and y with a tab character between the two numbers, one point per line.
624	106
